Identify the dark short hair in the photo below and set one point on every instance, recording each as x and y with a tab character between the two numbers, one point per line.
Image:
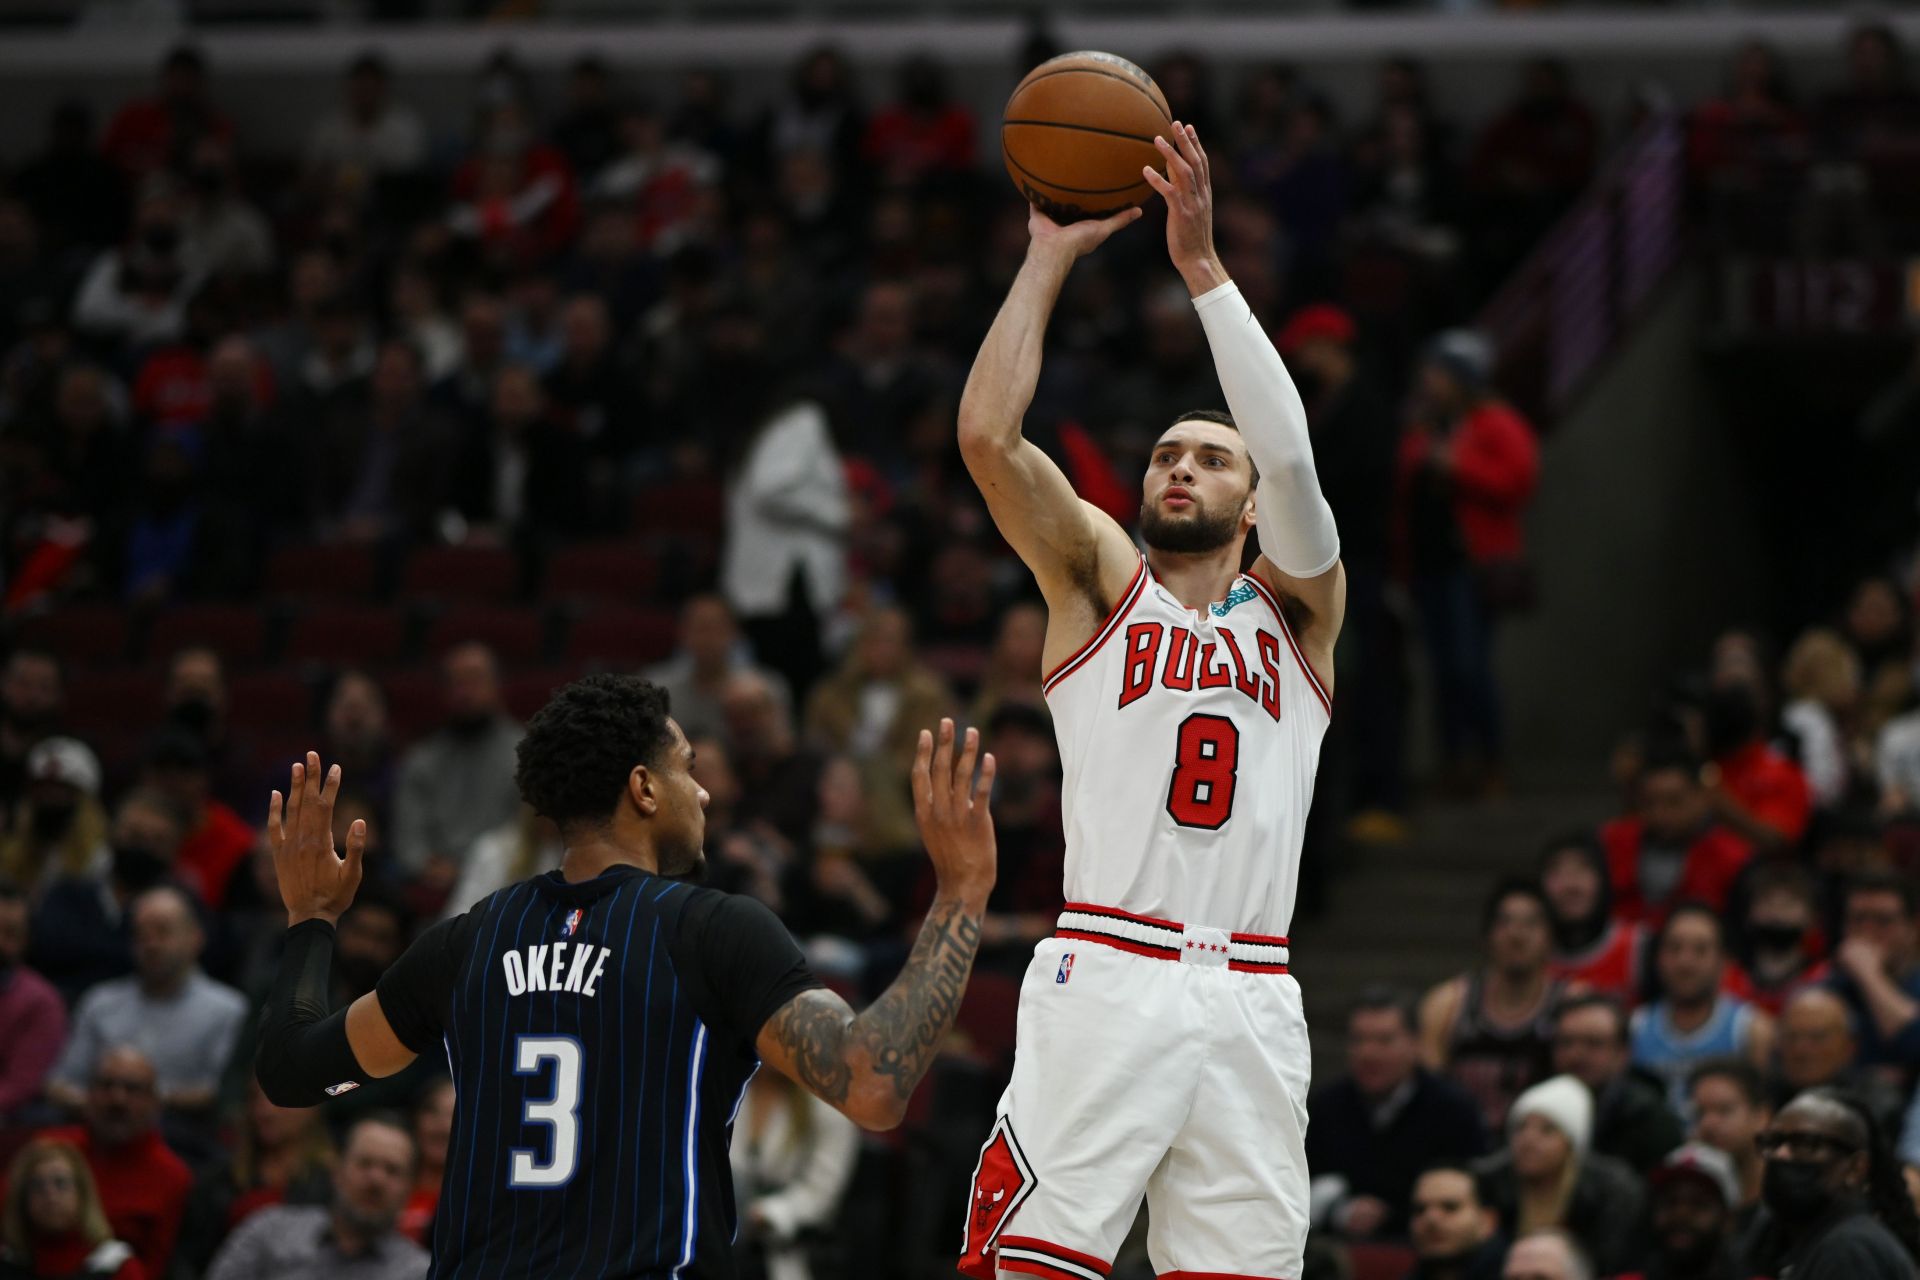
369	63
1382	998
1881	880
1454	1166
1512	887
583	745
1670	757
1593	1000
385	1119
35	653
1743	1074
1692	907
10	890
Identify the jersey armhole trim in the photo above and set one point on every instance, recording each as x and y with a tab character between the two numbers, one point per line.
1121	608
1265	592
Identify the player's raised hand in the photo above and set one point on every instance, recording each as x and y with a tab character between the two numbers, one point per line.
315	882
1074	239
1188	191
951	810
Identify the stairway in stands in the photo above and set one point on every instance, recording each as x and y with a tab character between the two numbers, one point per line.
1410	915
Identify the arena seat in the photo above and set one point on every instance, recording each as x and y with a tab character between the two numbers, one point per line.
89	634
322	572
515	635
688	509
416	701
113	698
461	573
526	692
270	700
602	572
237	632
1380	1261
621	637
348	635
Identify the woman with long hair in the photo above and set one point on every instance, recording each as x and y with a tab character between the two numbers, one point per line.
280	1155
53	1224
1548	1178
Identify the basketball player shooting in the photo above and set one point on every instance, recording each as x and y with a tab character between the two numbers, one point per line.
1162	1048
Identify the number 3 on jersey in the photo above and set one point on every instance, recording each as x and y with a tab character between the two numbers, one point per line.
560	1113
1204	772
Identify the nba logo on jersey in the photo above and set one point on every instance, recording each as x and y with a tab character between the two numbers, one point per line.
1066	968
573	921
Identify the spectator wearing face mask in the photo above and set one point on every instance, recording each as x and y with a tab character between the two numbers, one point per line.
60	829
217	839
1692	1218
135	295
1759	793
1591	948
198	702
1837	1206
1783	940
81	932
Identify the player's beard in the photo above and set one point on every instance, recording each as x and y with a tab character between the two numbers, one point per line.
1198	531
684	862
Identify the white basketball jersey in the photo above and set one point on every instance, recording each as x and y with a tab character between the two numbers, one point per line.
1189	740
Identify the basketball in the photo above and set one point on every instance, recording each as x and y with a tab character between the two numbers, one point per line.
1077	132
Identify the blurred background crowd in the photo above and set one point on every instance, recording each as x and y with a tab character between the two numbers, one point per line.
368	447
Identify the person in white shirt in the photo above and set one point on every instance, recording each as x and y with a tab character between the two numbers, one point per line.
368	138
792	1158
785	564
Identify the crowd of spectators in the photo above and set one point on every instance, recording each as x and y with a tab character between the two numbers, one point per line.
681	372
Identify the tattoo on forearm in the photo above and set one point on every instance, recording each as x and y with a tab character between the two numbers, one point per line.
813	1029
905	1027
902	1031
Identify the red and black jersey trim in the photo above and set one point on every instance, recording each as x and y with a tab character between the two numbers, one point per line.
1084	654
1030	1257
1273	602
1215	1275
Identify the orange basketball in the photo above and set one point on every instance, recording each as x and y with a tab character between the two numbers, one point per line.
1077	132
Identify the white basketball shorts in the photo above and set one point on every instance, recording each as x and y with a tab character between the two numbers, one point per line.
1156	1058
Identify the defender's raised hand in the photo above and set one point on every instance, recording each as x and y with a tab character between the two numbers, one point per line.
315	882
1188	191
951	810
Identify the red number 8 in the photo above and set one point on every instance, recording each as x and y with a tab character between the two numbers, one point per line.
1204	772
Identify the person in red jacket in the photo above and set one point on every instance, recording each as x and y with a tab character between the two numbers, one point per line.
54	1225
1670	849
143	1185
1468	464
159	132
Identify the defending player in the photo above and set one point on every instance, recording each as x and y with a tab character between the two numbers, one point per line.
602	1021
1161	1043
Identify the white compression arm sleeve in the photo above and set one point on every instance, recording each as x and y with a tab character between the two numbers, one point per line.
1294	520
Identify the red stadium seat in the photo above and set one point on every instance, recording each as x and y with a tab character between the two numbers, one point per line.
689	509
622	638
461	573
91	634
988	1012
364	635
322	573
514	635
416	701
113	699
603	573
270	701
237	632
528	691
1380	1261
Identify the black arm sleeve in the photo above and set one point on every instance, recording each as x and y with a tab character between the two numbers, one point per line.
741	963
417	990
304	1057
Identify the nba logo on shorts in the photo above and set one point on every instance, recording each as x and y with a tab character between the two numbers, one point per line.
573	922
1066	968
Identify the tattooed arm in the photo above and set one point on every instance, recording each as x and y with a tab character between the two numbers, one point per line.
868	1065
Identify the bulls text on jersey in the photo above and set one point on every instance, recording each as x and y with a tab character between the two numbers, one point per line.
1175	657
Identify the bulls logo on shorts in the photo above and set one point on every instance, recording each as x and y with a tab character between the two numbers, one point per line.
1001	1181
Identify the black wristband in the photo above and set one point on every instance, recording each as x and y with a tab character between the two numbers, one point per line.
304	1057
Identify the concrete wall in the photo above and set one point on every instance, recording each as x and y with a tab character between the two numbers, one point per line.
1645	539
